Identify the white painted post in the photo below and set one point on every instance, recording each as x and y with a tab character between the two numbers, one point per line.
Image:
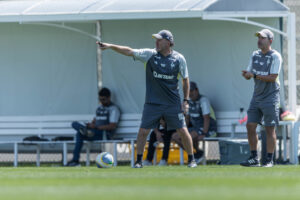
292	72
99	55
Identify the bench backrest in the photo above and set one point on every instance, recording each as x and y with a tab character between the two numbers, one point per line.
61	124
128	126
40	125
225	120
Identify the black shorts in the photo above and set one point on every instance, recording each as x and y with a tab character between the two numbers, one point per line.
173	116
268	112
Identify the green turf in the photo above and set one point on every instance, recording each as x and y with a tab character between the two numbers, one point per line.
177	182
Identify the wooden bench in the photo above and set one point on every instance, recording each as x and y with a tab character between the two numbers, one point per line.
14	128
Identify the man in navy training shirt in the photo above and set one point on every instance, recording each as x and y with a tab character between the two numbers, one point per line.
263	68
106	119
163	68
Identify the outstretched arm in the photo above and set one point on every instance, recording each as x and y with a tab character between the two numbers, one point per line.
127	51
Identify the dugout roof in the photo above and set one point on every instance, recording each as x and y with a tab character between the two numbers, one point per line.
82	10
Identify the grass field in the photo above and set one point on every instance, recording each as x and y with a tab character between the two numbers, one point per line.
176	182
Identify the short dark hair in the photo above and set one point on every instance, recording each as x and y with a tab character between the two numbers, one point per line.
104	92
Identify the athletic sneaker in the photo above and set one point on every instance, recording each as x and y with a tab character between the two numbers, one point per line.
192	164
138	165
147	163
199	156
73	164
82	131
251	162
162	162
268	164
86	132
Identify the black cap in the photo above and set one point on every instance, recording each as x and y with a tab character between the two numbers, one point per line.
193	85
164	34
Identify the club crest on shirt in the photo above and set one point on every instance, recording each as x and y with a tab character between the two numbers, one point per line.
180	116
172	65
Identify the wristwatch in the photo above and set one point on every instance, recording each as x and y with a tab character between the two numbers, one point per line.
186	100
254	76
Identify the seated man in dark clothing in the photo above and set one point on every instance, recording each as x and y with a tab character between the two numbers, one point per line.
200	120
107	118
160	134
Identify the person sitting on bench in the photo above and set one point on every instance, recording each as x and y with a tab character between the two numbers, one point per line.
107	118
200	120
160	134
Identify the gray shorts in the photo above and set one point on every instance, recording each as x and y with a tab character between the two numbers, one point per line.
173	116
269	112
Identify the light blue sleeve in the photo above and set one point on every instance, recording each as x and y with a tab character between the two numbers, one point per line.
249	68
114	114
183	67
143	55
276	64
205	105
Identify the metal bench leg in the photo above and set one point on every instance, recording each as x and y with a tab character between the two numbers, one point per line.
88	148
295	139
16	154
155	156
115	154
38	154
181	156
283	131
204	152
132	153
65	155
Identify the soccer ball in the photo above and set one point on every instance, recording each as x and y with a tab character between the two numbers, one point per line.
104	160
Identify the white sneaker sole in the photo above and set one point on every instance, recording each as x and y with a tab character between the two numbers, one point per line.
258	165
267	165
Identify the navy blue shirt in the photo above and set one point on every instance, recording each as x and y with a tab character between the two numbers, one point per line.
107	114
162	74
199	108
265	64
